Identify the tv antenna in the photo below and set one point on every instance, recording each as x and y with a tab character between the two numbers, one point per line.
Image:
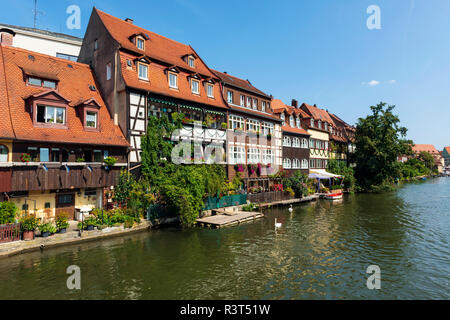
36	12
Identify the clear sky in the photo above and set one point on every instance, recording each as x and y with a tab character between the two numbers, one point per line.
320	52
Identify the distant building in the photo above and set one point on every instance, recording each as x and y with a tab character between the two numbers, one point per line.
42	41
438	158
446	156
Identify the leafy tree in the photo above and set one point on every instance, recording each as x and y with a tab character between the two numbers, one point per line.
123	188
427	160
379	141
341	168
8	212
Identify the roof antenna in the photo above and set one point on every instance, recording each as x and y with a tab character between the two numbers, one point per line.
36	12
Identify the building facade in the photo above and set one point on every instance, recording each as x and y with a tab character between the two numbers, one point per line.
317	123
296	153
42	41
253	135
431	149
142	74
55	132
446	156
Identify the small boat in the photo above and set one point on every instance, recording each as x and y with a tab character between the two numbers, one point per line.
334	196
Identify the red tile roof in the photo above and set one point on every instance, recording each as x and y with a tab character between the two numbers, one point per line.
257	113
425	148
73	85
166	51
279	106
447	149
317	113
295	130
239	83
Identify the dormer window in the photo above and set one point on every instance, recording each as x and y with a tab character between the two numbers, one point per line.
195	86
88	113
143	71
291	121
140	43
263	106
312	123
210	90
50	114
191	62
325	126
298	123
91	119
283	118
173	80
319	124
38	82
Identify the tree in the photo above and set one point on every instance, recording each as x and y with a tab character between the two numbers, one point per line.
341	168
379	141
427	160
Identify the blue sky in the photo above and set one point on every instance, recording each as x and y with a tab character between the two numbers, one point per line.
314	51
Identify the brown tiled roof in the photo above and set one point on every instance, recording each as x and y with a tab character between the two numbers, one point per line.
157	47
447	149
158	83
295	130
279	106
73	85
425	148
239	83
318	114
256	113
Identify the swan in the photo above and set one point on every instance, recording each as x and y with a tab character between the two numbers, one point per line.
290	209
277	224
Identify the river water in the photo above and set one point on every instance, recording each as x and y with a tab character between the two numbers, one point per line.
322	251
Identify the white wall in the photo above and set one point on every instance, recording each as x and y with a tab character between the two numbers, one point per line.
45	46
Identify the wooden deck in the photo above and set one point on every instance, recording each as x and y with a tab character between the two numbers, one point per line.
291	201
221	221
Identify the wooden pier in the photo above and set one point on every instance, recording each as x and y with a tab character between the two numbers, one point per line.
229	219
291	201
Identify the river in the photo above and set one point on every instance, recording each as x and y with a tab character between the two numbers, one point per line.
322	251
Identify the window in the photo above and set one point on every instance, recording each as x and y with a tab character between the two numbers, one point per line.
267	128
298	123
312	164
268	156
331	129
55	155
195	86
286	163
304	164
319	124
65	199
95	44
312	123
143	71
140	43
304	143
67	57
291	121
90	192
230	97
296	143
311	143
242	101
253	125
41	83
65	155
263	106
98	156
236	122
286	142
325	126
326	145
91	119
3	153
47	114
255	104
210	90
108	71
249	102
173	80
35	81
296	164
283	118
237	155
44	155
191	62
49	84
253	156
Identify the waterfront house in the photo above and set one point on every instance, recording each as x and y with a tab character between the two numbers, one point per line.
143	74
55	132
446	156
295	139
317	122
431	149
254	132
341	139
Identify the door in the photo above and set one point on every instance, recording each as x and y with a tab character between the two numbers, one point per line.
66	203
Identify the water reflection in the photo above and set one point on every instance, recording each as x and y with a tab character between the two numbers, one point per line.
321	251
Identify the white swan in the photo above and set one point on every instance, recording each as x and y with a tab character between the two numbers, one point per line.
277	224
291	209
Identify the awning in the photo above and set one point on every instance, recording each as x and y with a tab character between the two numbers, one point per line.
322	174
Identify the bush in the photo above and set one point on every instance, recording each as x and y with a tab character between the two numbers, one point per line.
341	168
61	221
252	207
8	212
298	183
47	227
29	223
110	161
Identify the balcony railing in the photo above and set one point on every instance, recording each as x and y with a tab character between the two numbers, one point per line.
200	133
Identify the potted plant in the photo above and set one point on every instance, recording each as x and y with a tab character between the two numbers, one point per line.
224	126
109	162
79	160
25	157
46	229
29	224
62	223
90	223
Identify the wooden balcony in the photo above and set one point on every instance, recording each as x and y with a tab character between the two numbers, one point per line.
53	176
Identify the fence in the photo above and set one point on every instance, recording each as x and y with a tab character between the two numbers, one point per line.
9	232
267	197
227	201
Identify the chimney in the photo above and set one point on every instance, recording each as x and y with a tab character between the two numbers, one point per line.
129	20
7	37
294	103
225	72
315	105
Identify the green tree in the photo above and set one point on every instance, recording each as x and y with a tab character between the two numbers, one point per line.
341	168
123	188
379	141
427	160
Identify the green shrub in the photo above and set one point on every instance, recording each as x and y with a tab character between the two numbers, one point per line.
61	221
110	161
8	212
29	223
251	207
129	222
47	227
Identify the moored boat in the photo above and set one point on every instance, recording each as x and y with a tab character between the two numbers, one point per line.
334	196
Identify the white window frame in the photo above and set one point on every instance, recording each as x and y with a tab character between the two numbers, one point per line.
296	142
253	156
242	101
55	109
267	127
108	71
291	121
305	164
255	104
210	87
286	141
283	118
236	122
325	126
295	164
96	119
230	97
173	75
191	62
287	163
140	64
319	124
304	143
237	155
192	86
298	122
268	156
312	123
253	125
263	106
249	102
140	40
312	144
